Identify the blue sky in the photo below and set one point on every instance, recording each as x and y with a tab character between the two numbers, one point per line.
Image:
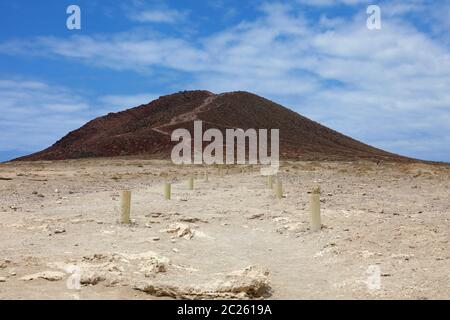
389	87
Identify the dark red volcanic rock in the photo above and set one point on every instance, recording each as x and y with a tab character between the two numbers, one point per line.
146	130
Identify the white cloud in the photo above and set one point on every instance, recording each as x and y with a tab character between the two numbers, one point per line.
169	16
33	114
67	107
327	3
26	85
125	51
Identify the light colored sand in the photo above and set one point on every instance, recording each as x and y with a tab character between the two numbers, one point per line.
396	217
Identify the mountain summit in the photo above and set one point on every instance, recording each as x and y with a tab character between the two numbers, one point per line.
146	130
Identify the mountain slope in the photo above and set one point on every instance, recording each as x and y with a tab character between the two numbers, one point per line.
146	130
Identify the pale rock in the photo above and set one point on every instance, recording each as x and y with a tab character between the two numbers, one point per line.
251	282
59	231
4	263
181	230
46	275
91	278
257	216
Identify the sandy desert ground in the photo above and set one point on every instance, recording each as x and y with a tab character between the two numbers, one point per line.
229	238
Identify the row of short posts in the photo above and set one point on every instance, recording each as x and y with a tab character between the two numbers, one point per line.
314	207
190	186
125	199
315	218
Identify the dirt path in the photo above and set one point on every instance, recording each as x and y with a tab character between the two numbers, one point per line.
188	116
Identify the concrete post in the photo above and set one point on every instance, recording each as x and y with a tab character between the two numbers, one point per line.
279	190
270	181
316	223
125	204
168	191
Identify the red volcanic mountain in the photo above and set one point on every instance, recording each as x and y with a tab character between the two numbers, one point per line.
146	130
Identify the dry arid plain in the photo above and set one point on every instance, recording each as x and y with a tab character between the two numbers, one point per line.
228	238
